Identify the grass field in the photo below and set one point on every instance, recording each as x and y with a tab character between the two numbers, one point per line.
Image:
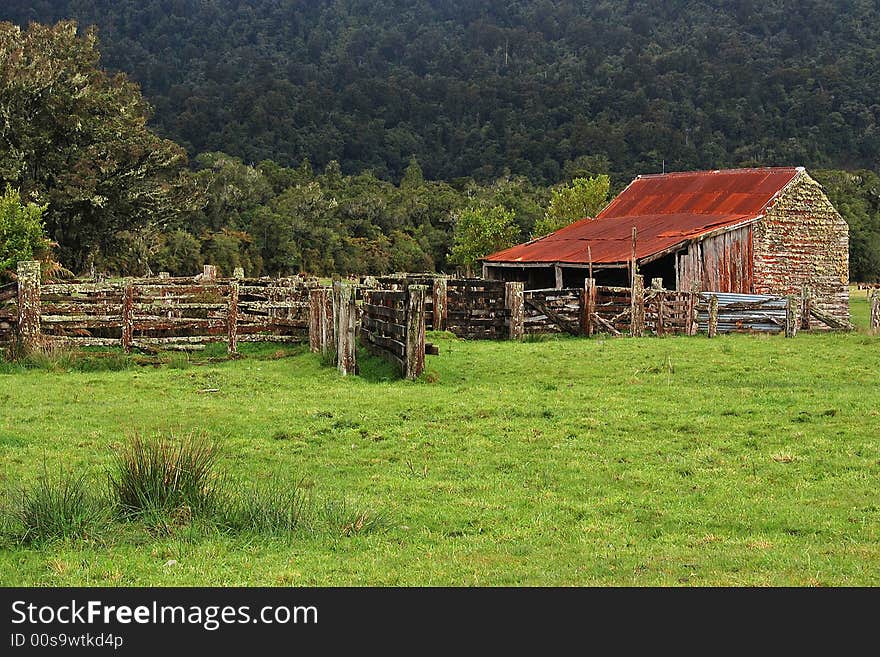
742	460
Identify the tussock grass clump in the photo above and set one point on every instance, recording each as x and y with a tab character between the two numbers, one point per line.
165	474
55	507
272	509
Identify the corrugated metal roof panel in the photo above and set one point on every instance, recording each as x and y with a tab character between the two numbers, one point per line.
665	209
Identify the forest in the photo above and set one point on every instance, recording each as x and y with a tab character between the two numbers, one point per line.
349	136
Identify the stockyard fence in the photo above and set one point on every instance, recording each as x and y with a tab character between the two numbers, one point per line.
387	315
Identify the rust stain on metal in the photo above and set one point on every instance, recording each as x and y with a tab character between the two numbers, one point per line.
666	209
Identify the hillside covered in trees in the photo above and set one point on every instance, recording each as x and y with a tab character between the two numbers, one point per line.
474	88
365	137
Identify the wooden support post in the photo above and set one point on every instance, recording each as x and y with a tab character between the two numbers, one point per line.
344	320
127	316
806	305
320	321
791	319
660	329
637	306
514	301
589	261
558	271
415	331
588	306
713	316
209	273
439	293
28	273
875	310
693	326
232	318
633	263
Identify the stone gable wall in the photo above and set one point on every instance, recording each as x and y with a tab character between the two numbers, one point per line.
804	242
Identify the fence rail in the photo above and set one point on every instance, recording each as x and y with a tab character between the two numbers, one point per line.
393	327
188	313
147	313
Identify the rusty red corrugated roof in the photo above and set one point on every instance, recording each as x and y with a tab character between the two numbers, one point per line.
666	210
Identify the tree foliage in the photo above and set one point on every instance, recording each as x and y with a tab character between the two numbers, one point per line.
584	197
75	138
22	236
480	231
472	88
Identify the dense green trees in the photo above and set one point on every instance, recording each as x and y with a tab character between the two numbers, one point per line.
354	137
474	87
584	197
480	231
22	236
75	138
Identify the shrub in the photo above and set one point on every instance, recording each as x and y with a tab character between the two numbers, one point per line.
56	507
165	474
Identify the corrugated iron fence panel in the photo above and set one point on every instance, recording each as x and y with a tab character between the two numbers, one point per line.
743	313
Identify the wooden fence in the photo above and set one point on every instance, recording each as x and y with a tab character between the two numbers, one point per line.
875	310
476	309
552	311
151	313
393	327
8	313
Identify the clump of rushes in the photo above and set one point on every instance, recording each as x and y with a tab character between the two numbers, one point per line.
165	474
276	508
56	507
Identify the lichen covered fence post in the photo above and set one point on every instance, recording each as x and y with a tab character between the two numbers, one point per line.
439	294
588	306
875	310
320	321
712	328
637	307
28	273
415	331
127	316
344	320
791	320
514	301
232	318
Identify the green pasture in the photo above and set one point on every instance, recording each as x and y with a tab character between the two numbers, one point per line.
740	460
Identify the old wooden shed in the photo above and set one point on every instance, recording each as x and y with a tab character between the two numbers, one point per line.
752	231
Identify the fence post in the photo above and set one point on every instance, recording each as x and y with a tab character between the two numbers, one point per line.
209	273
320	321
806	307
514	301
693	326
415	331
660	329
232	318
875	309
28	273
637	306
588	306
439	292
713	316
791	322
344	318
127	316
